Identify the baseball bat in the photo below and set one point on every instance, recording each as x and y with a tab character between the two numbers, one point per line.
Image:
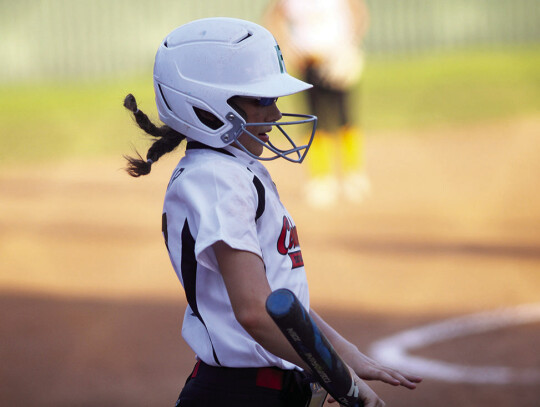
312	346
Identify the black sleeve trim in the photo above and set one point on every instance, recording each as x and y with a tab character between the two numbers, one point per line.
261	195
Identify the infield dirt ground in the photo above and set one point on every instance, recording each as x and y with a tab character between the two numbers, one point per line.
91	310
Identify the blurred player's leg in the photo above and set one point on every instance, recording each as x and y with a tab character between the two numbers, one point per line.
355	184
322	187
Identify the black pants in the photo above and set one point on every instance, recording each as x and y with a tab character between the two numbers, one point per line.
331	106
209	386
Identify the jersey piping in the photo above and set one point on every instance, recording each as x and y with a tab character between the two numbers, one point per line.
260	196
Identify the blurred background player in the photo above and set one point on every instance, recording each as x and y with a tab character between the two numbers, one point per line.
321	41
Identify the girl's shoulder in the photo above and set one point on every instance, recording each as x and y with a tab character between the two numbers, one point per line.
209	169
218	163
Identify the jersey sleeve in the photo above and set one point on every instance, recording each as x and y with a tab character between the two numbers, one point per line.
221	204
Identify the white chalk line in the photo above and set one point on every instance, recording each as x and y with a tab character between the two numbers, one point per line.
393	350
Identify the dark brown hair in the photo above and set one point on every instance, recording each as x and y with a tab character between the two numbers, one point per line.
167	139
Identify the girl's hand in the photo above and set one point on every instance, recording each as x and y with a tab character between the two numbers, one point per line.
368	396
369	369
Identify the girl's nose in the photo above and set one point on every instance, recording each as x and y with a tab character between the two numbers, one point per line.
274	114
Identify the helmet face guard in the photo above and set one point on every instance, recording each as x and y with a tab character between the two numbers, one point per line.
201	65
296	154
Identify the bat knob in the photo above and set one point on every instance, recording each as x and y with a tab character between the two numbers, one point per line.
280	302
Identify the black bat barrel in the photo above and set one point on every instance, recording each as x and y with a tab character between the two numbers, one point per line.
312	346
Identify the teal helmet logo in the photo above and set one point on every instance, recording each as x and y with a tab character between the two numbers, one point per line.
280	59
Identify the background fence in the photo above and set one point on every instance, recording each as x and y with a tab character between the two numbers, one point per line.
58	39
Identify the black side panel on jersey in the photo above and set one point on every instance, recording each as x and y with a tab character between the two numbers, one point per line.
189	276
261	195
164	229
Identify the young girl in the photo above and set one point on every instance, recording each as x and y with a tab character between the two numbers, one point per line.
230	239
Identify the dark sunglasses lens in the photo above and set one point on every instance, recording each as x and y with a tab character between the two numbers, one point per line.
267	101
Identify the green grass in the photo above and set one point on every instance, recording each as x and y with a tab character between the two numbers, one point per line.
53	121
451	88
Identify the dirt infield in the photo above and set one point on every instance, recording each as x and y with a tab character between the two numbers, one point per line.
90	309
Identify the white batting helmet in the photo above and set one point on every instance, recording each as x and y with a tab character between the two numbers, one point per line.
199	66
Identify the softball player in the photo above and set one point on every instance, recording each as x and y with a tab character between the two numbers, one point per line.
230	239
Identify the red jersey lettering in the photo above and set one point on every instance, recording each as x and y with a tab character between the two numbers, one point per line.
288	241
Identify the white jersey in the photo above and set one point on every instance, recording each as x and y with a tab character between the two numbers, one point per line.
224	194
319	26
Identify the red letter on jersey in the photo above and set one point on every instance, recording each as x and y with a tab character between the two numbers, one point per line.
288	241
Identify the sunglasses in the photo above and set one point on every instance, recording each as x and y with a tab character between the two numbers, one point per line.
266	101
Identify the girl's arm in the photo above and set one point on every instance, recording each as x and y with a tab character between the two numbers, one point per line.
365	367
245	279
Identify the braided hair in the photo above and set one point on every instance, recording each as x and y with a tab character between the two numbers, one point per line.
167	139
